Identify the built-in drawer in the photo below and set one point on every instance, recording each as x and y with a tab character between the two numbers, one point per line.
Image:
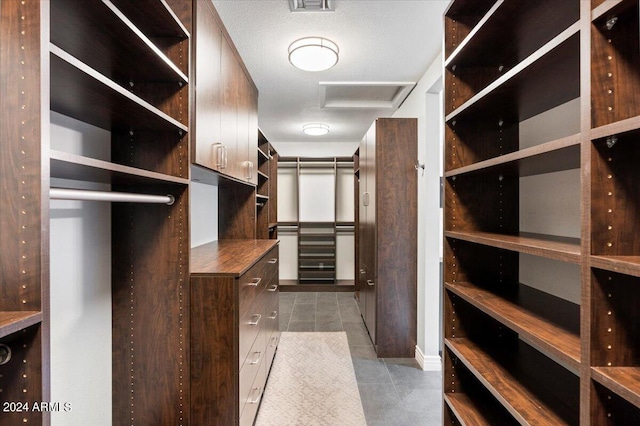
272	260
250	326
251	284
252	381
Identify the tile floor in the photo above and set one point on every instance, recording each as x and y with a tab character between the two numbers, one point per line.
393	391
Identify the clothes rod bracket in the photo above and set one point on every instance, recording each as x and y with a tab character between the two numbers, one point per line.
123	197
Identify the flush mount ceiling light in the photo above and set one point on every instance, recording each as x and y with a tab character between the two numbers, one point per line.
315	129
313	54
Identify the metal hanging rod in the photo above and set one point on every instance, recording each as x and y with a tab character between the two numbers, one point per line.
123	197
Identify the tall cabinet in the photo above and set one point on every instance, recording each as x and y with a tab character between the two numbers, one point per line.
387	235
122	67
516	353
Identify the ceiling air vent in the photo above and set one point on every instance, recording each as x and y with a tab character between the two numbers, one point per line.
311	5
363	95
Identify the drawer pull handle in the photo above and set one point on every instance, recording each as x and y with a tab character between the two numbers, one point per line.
258	393
256	320
255	282
257	360
273	287
273	261
274	315
274	342
371	283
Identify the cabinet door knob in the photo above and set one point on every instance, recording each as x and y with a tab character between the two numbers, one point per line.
257	392
256	359
256	319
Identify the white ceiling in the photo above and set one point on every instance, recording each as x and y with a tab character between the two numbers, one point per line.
379	41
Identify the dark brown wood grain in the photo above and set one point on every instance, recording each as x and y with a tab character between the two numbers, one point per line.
525	318
24	215
229	257
165	21
387	244
150	251
615	337
236	211
609	409
615	197
615	60
504	381
234	328
273	192
624	381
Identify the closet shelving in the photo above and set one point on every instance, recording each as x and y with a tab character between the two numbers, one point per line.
498	332
512	352
266	190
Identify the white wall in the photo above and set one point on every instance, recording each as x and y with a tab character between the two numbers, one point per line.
80	239
203	211
424	103
550	204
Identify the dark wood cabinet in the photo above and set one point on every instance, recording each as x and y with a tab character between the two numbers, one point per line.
234	328
387	241
512	353
225	106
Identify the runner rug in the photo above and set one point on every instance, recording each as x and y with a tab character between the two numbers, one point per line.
312	382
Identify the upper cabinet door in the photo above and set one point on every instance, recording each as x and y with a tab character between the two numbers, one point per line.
231	72
206	142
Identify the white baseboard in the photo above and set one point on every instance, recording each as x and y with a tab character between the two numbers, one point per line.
428	363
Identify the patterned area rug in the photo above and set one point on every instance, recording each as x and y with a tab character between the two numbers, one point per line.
312	382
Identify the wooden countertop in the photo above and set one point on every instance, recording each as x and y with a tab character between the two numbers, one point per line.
228	257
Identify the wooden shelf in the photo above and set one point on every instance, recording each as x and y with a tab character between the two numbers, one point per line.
554	156
610	7
624	381
80	92
553	247
262	155
548	337
118	49
76	167
262	175
470	413
14	321
262	197
161	23
512	40
630	125
542	81
524	405
629	265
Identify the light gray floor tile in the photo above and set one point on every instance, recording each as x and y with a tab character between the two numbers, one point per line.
349	312
302	326
287	296
304	312
363	352
411	374
306	297
356	334
419	399
381	404
328	325
324	315
327	297
431	418
371	371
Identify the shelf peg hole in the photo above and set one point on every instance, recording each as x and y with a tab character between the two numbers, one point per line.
611	22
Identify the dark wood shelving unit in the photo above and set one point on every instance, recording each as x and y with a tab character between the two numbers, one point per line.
504	381
624	381
538	83
549	246
507	62
557	342
317	253
104	103
103	70
554	156
77	167
14	321
266	190
469	412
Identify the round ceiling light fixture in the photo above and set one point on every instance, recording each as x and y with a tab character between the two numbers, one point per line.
315	129
313	54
